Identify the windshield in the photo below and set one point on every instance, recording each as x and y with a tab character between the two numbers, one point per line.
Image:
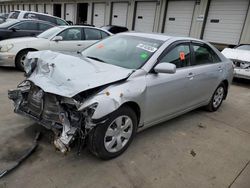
130	52
8	23
50	32
243	47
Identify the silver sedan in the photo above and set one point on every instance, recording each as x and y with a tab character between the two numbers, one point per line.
119	86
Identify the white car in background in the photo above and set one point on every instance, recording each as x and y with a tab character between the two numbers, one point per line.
22	14
62	38
240	56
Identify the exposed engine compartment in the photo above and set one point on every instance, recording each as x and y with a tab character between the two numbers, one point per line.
52	111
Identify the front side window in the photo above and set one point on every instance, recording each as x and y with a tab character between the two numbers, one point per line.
27	26
71	34
130	52
203	54
179	55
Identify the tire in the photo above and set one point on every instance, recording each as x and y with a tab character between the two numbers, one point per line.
104	138
217	98
20	58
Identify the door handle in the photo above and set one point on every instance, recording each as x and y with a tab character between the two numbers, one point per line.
220	69
190	75
79	45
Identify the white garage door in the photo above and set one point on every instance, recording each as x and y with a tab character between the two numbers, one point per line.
26	7
119	14
71	12
40	8
33	7
20	7
99	14
179	18
225	21
48	9
145	16
15	7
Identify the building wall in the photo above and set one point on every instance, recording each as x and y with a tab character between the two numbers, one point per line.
197	26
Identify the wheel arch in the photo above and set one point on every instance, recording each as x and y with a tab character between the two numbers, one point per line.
226	84
135	107
25	49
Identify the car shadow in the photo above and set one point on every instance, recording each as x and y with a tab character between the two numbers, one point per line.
241	82
9	69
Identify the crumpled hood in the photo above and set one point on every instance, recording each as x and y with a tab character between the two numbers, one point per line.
67	75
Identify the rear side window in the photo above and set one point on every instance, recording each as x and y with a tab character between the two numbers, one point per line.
104	34
179	55
43	26
47	18
27	26
203	54
92	34
30	16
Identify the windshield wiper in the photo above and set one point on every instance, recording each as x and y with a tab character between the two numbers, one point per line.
96	58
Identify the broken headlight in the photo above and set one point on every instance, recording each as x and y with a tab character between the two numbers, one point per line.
90	110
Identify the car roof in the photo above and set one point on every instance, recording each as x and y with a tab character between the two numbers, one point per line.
42	21
159	36
29	11
83	26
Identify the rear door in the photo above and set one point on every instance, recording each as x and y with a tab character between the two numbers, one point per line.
206	72
28	28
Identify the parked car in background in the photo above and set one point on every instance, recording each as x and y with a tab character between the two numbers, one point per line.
21	14
240	55
3	17
23	28
118	86
114	29
60	38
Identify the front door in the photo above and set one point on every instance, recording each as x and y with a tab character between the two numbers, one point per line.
72	40
168	94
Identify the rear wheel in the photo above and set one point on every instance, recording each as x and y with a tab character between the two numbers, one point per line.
112	138
20	59
217	98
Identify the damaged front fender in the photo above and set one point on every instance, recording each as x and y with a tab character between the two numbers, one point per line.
114	96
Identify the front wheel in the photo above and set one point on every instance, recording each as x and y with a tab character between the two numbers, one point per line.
112	138
217	98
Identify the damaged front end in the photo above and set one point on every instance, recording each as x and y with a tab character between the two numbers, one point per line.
60	114
241	61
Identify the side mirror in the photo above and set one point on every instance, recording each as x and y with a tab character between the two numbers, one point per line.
165	68
57	38
13	29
